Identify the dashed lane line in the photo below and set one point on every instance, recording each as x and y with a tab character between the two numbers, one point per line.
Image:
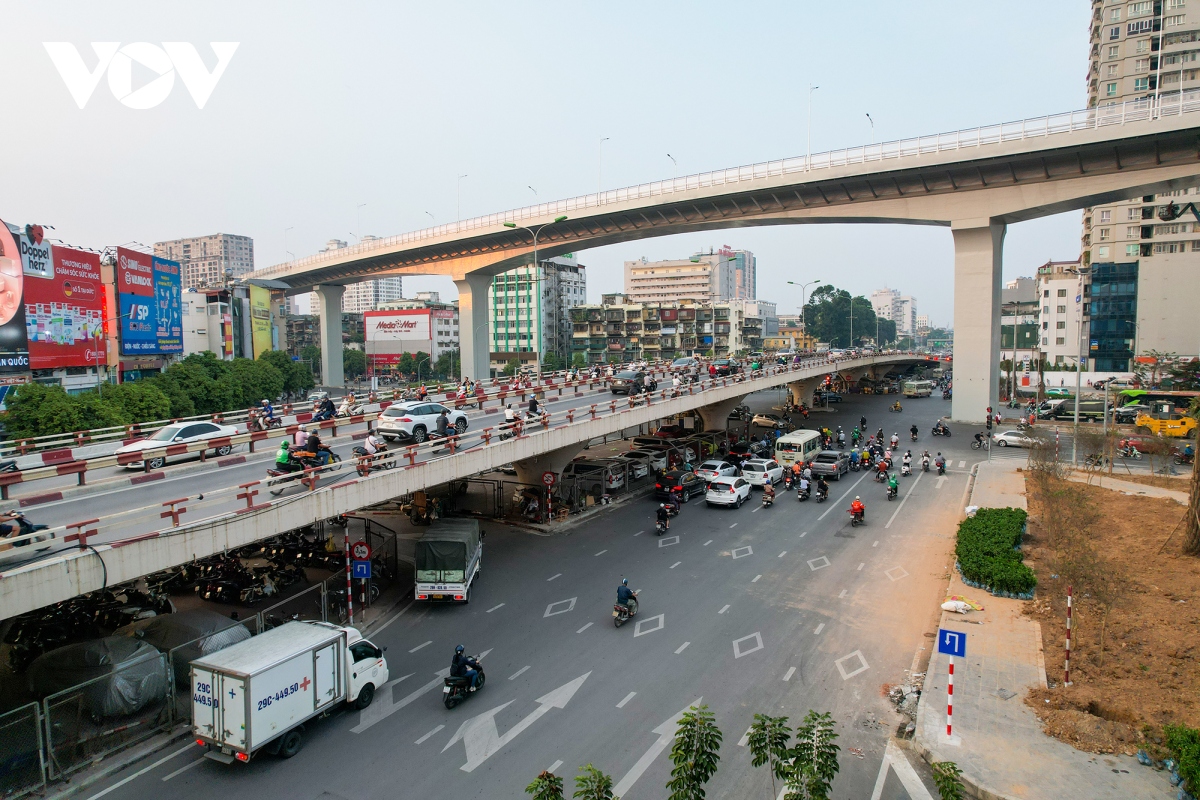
418	647
425	738
676	564
788	675
602	552
710	541
681	648
724	608
781	555
493	608
518	673
860	566
552	577
628	697
585	627
844	496
820	628
756	577
903	500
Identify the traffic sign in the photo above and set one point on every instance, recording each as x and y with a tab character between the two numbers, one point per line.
548	478
361	569
361	551
952	643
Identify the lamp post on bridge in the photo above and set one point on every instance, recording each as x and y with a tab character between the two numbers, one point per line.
535	232
803	300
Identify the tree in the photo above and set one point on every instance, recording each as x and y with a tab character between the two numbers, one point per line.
552	362
546	786
814	762
181	404
208	361
510	368
1185	375
1152	372
354	363
946	778
406	364
312	354
296	377
592	784
579	361
769	737
1191	530
695	754
827	316
38	410
447	364
141	401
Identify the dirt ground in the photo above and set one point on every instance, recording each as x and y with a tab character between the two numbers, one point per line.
1178	484
1151	658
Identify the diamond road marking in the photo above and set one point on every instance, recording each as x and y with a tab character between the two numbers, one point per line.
550	609
742	552
738	652
896	573
818	563
667	542
637	629
862	668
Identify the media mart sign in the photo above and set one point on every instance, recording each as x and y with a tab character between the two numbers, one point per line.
118	61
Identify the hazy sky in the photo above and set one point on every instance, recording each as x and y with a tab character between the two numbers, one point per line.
325	106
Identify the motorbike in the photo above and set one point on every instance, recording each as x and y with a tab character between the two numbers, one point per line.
1179	457
913	434
372	463
880	475
1129	451
925	464
621	613
857	518
660	528
892	491
456	690
822	495
787	481
257	421
905	470
802	494
347	409
895	407
941	430
25	527
768	500
854	466
941	469
280	478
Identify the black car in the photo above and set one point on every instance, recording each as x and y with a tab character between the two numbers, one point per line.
624	382
828	397
686	484
725	366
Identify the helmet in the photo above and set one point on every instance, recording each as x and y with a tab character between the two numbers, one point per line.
284	444
459	649
662	505
855	497
624	581
264	401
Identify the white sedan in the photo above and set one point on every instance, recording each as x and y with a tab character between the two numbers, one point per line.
179	433
727	492
760	471
716	469
1014	439
658	460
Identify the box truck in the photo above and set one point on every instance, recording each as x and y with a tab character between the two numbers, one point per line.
448	559
258	694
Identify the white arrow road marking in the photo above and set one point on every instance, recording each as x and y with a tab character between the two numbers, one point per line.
379	711
844	496
666	732
481	738
941	479
895	758
904	500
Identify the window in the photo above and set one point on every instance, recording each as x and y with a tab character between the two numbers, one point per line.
1141	84
1045	309
1134	249
1133	213
1143	46
1173	21
1110	90
1045	340
1140	9
1170	247
1141	26
1114	32
1106	216
1115	15
1102	251
1141	65
1060	359
1045	293
1114	51
1104	233
1062	309
1060	340
1133	232
1061	325
1171	5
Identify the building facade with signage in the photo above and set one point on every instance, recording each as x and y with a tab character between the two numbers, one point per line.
209	262
620	329
418	328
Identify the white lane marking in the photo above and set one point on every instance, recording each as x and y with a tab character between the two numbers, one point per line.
585	627
425	738
820	628
756	577
602	552
724	608
962	465
666	733
681	648
710	541
941	479
628	697
895	758
843	594
756	508
493	608
848	675
876	543
741	552
738	652
904	500
676	564
393	618
788	675
815	564
860	566
418	647
639	533
184	768
781	555
518	673
552	577
162	760
734	525
843	497
804	534
659	618
742	742
554	766
570	603
379	711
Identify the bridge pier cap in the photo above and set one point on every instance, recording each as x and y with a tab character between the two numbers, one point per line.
978	261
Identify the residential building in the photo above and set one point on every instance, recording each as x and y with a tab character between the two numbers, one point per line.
745	273
1062	311
790	321
1147	51
620	329
765	311
209	261
529	311
1019	320
922	323
1113	330
790	337
900	309
304	330
704	278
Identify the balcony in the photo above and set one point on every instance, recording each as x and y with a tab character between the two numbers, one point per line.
615	347
722	328
614	330
614	315
595	316
722	313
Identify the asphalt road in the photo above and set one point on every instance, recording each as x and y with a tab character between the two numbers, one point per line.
749	611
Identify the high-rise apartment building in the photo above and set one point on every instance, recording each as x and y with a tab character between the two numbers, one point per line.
1061	295
209	261
705	278
1145	51
529	311
899	308
364	295
745	273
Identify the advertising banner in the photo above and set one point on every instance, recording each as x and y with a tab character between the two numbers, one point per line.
260	319
14	347
150	294
64	310
390	334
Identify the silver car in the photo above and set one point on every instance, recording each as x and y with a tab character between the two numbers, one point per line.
832	463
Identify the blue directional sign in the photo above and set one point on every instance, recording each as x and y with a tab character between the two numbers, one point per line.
361	569
952	643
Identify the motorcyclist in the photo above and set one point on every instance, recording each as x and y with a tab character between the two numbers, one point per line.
300	437
822	487
347	404
663	515
896	406
267	411
319	451
893	483
807	473
940	461
895	441
857	507
769	490
803	487
925	460
510	416
854	459
326	411
862	423
913	431
626	597
855	435
463	666
841	438
443	426
533	405
283	456
907	461
374	444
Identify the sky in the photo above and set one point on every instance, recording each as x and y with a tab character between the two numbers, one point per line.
339	120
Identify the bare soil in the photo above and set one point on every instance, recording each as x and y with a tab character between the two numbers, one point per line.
1150	668
1178	484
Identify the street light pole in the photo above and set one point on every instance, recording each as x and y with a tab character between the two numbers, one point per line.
535	232
600	168
676	163
872	128
808	158
803	300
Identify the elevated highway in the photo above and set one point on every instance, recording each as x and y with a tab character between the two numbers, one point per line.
122	553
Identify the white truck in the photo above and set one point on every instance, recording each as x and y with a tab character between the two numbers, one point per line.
448	559
257	694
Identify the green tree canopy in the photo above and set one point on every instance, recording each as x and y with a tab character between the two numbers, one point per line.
827	316
447	364
354	363
297	377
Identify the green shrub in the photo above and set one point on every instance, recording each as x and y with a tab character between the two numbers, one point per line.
1184	743
987	550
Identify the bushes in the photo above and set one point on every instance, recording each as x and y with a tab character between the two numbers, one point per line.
38	410
987	551
1184	743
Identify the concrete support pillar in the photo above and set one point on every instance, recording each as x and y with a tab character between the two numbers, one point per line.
530	470
716	416
329	301
978	255
802	391
473	325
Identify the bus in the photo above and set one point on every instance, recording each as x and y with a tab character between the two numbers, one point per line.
918	388
797	446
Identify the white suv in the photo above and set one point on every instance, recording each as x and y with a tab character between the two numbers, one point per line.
761	471
727	492
417	420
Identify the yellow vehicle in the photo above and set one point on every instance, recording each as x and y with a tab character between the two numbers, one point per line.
1164	420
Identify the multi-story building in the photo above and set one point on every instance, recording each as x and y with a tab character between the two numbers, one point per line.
619	329
209	261
704	278
1062	311
529	311
1145	51
1019	320
745	273
765	311
899	308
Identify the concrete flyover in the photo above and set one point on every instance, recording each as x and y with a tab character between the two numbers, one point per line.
78	571
975	182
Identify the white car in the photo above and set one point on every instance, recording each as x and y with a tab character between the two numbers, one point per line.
638	468
727	492
417	420
760	471
1013	439
716	469
658	460
179	433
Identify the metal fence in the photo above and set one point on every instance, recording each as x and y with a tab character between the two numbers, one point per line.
22	751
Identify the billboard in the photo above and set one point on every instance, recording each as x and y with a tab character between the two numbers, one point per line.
64	309
149	290
260	319
14	347
390	334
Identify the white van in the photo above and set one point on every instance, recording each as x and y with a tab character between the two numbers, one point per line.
797	446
